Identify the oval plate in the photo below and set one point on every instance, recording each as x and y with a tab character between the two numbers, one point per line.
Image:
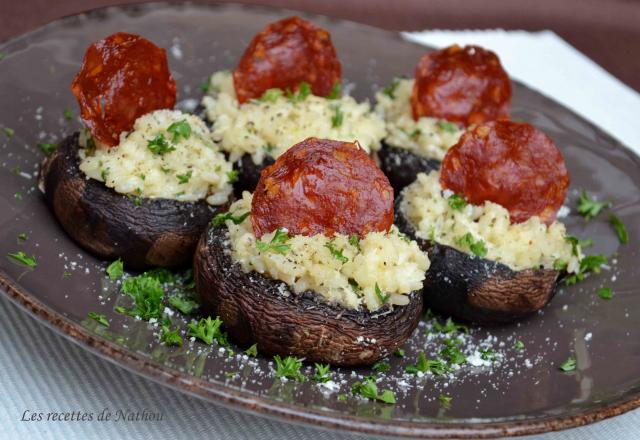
522	392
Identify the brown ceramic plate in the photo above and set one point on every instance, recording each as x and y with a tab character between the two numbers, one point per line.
522	392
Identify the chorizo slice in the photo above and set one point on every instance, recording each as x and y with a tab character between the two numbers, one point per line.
285	54
465	85
122	77
509	163
323	187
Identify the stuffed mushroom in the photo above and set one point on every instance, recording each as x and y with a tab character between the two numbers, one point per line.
286	88
487	220
141	182
453	88
311	265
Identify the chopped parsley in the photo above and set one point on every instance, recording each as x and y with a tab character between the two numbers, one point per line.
271	95
445	401
447	126
487	354
99	318
185	304
568	365
18	196
415	134
588	207
369	390
9	131
399	352
560	265
519	345
252	351
204	87
623	235
115	270
457	202
277	243
354	241
342	397
452	353
23	236
304	90
168	336
477	248
605	293
184	178
159	145
180	129
338	116
449	327
23	259
208	330
575	242
232	176
390	90
336	91
288	367
322	373
220	219
422	365
68	114
337	253
590	263
383	297
147	294
381	367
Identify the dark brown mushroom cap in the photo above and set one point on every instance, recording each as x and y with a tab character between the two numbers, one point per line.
258	309
143	232
477	289
402	166
249	173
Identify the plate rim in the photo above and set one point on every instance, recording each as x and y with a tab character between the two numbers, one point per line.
248	402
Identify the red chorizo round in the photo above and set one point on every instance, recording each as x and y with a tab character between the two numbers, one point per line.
122	77
322	187
463	85
509	163
287	53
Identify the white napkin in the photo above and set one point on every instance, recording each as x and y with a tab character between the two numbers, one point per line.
547	63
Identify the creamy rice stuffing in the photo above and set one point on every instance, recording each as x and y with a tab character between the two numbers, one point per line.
342	270
530	244
268	127
169	154
427	137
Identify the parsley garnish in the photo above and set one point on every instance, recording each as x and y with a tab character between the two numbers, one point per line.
180	129
337	253
184	178
271	95
304	90
207	330
452	353
568	365
23	259
338	116
605	293
18	196
9	131
147	294
399	352
252	351
477	248
390	90
445	401
101	319
159	145
322	373
277	243
519	345
168	336
354	241
233	176
457	202
205	86
381	367
220	219
161	274
288	367
115	270
590	263
449	326
447	126
617	224
422	365
589	208
342	397
383	297
23	236
336	91
487	354
68	114
183	303
415	134
369	390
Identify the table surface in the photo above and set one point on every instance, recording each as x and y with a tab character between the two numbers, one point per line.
612	39
44	372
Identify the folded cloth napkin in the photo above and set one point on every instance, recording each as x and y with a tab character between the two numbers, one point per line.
548	64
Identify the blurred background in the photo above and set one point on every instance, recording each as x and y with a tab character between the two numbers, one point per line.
607	31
